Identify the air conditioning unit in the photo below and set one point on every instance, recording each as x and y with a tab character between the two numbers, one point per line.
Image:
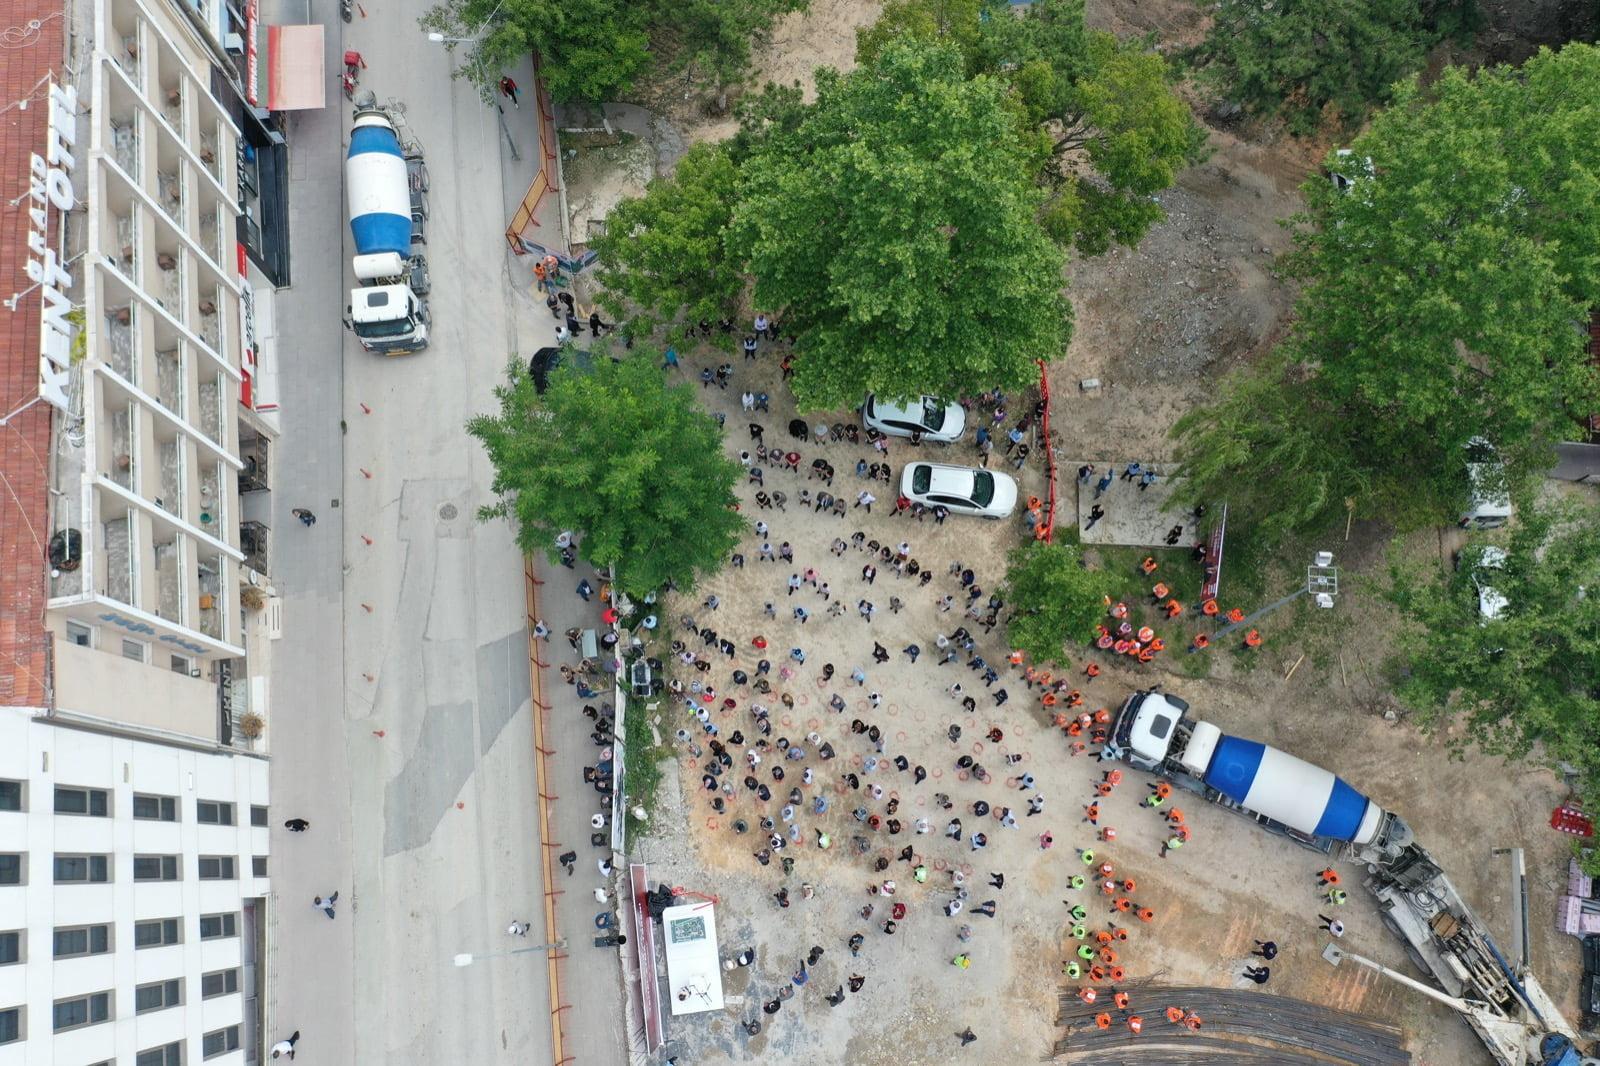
234	43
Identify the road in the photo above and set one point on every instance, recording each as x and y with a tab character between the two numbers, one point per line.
399	699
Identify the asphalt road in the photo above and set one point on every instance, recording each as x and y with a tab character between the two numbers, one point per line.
399	698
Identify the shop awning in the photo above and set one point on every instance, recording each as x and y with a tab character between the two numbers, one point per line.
295	80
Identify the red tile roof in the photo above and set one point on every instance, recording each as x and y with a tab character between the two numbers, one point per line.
25	439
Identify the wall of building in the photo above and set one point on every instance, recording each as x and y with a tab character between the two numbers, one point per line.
44	756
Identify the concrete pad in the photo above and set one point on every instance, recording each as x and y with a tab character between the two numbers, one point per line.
1133	516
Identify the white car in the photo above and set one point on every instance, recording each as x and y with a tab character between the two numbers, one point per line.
963	489
1492	603
929	415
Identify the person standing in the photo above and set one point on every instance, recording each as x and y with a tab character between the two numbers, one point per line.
1332	925
1258	974
1095	514
1266	949
509	90
966	1036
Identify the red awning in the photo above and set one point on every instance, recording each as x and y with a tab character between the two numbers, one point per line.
295	80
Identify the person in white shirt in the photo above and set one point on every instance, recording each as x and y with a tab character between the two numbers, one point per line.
286	1047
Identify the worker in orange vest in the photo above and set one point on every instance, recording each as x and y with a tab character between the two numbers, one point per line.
1201	642
1209	608
1087	994
1193	1022
1092	670
1136	1025
1252	639
1159	592
1235	616
1148	566
1103	1020
1121	999
1174	608
1146	914
1175	1015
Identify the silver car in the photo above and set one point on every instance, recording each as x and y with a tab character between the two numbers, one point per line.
935	419
962	489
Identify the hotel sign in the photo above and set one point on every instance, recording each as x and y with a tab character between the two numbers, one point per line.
50	187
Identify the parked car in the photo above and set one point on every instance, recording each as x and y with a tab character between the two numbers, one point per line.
963	489
1483	562
1591	979
1489	502
935	419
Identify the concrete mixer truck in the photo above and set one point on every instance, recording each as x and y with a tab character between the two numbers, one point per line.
387	310
1499	997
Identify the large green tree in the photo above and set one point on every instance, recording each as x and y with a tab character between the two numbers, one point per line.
1527	681
1054	598
1443	294
1304	59
630	464
1111	127
895	227
663	253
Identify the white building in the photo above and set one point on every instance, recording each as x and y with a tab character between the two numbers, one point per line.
132	896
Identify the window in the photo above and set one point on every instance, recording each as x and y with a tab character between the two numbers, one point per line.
10	947
95	802
217	868
158	995
83	868
166	1055
208	812
79	1011
11	796
155	808
133	649
219	983
10	868
10	1025
258	865
181	665
220	1042
156	933
80	634
155	867
258	816
72	941
218	926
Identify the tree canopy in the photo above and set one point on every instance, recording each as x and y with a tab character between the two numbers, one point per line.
1055	600
1528	680
596	50
612	453
1442	297
664	254
1307	59
1111	128
895	225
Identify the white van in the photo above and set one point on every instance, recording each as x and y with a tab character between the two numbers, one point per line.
1488	500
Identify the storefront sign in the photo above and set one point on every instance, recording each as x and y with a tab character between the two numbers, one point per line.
50	186
251	13
247	358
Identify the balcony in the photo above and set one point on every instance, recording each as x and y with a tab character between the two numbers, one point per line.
121	574
169	580
210	235
125	146
127	256
170	380
171	288
124	457
255	540
211	597
210	324
174	467
210	422
254	453
208	154
121	347
172	106
213	502
170	184
124	50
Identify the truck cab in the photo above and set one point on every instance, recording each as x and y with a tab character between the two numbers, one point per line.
1146	727
388	318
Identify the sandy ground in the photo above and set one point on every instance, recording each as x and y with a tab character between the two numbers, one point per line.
1158	325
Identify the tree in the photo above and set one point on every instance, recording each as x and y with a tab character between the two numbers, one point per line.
591	49
713	37
955	22
1441	299
663	253
1526	681
895	228
612	453
1302	59
1055	599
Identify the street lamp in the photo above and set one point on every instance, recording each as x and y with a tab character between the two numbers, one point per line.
467	958
438	38
1321	584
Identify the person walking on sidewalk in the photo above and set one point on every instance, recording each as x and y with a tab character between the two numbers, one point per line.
509	90
518	928
305	516
286	1047
326	905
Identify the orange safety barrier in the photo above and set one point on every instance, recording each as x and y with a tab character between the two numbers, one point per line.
544	180
552	958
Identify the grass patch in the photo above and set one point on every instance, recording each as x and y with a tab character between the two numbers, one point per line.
642	776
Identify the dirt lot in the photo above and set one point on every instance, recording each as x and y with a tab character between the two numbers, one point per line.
1157	325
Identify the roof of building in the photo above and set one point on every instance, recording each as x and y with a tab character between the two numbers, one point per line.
25	438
